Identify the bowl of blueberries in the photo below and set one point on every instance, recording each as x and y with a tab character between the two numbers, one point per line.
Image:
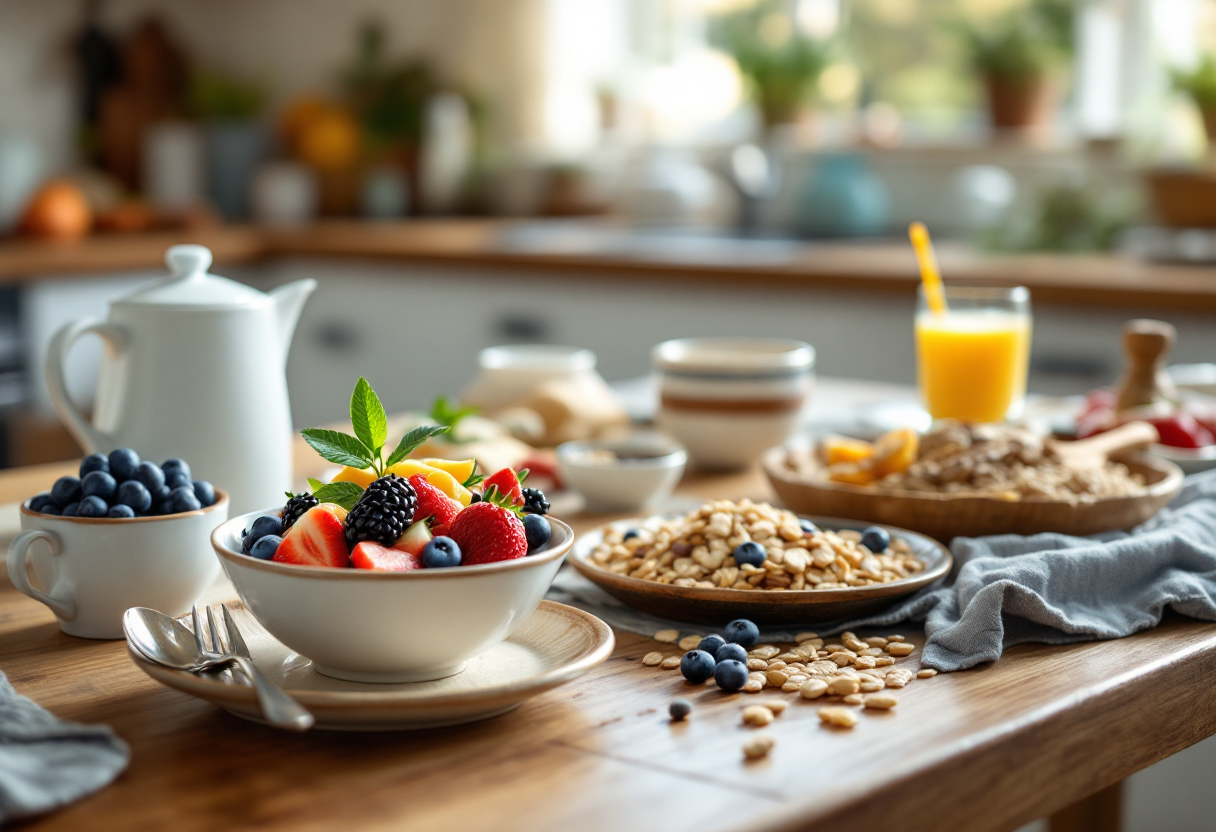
123	533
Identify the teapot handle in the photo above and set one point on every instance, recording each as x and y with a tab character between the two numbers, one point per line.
91	439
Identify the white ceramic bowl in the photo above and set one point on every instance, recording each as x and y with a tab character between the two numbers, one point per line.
90	570
368	626
627	484
727	400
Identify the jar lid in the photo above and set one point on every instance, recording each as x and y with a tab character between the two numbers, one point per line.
190	284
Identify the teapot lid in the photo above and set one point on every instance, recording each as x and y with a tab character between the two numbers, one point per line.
190	284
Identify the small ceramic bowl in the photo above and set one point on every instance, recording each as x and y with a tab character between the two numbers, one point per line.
90	570
621	475
367	626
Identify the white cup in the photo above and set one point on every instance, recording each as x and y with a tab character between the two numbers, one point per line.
729	399
92	570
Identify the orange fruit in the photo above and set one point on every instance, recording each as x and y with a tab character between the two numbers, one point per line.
895	452
329	141
297	115
846	449
58	211
853	473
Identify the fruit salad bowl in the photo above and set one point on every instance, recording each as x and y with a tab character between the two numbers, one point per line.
365	625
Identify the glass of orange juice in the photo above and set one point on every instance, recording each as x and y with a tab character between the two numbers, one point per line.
972	358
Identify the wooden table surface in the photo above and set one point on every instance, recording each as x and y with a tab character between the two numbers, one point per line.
985	749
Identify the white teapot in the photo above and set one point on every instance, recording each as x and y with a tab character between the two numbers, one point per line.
194	368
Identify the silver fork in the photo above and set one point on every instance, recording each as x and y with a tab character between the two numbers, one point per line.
277	705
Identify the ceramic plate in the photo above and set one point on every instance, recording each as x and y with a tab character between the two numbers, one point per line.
555	645
765	607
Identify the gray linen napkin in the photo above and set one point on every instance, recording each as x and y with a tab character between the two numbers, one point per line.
46	762
1008	589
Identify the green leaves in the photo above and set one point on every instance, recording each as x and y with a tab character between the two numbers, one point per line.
368	417
412	440
345	494
444	413
339	448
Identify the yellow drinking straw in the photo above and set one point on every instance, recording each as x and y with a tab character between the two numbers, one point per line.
929	274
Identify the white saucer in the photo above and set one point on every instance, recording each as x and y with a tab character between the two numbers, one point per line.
555	645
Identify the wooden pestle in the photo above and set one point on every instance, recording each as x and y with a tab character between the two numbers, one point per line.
1146	344
1095	450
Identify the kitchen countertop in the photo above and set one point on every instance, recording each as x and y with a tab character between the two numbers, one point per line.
601	247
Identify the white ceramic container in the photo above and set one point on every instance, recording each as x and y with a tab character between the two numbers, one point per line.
645	471
194	368
368	626
90	570
510	374
728	399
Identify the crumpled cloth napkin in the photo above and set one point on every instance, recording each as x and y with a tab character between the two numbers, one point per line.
45	762
1009	589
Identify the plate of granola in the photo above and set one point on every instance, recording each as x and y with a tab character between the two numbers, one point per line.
738	559
973	480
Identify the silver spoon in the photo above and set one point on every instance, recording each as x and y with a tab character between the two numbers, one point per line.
166	641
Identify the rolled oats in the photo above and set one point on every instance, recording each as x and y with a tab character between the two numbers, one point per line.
758	746
900	649
670	663
841	717
667	636
756	664
881	701
690	642
852	699
813	688
757	715
652	659
843	686
926	673
777	706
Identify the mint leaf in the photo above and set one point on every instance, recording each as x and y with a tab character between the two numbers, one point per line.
338	448
345	494
314	484
412	440
368	417
474	479
444	413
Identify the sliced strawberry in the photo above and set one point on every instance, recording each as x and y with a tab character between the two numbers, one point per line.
372	555
316	539
507	483
414	538
487	533
432	502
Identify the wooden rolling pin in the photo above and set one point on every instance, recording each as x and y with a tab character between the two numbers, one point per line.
1095	450
1146	344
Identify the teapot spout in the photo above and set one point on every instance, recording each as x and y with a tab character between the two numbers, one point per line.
289	302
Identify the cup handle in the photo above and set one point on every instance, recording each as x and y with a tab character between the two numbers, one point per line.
18	558
91	439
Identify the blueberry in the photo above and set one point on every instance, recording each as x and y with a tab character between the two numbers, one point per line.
121	512
176	478
711	643
65	490
537	530
71	510
182	500
150	475
175	465
99	484
266	546
40	501
749	552
205	492
731	652
440	552
53	509
730	675
92	507
134	495
476	498
742	632
629	535
267	524
875	539
160	496
808	527
679	709
123	464
94	462
696	666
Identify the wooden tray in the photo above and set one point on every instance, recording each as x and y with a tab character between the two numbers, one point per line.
946	516
716	607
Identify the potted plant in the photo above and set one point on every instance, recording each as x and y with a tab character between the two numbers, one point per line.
1017	57
235	142
1200	85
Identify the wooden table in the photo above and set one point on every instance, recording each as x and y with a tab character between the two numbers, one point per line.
1041	731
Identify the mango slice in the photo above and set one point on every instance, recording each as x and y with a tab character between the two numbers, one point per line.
838	449
461	469
895	452
442	480
361	477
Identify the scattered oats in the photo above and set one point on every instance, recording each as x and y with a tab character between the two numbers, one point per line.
895	638
841	717
690	643
876	641
758	746
864	662
926	673
652	659
881	701
757	715
801	637
853	699
753	686
871	685
777	706
667	636
757	664
883	661
900	649
791	686
777	678
898	678
764	651
841	658
670	663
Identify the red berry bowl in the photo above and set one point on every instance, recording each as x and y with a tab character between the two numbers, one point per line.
369	626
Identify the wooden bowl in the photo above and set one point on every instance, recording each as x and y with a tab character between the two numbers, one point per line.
946	516
765	607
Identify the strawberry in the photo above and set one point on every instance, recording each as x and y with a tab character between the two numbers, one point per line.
316	539
433	503
371	555
487	533
508	484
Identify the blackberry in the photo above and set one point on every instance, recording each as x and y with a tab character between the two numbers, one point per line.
383	512
535	502
295	508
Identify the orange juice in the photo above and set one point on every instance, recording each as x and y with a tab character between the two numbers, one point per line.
972	364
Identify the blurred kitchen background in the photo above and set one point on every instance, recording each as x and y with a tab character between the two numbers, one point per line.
604	173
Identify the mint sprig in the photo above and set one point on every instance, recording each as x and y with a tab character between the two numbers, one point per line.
345	494
368	418
410	442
